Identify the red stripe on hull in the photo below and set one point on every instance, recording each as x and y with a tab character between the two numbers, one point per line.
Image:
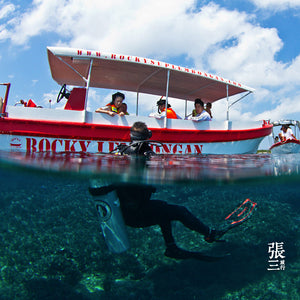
285	142
101	132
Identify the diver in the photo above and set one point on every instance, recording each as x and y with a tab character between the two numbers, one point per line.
139	210
140	144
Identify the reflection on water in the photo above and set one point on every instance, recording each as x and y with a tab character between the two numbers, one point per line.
52	246
160	168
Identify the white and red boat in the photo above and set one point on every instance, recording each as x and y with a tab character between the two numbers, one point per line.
76	129
290	145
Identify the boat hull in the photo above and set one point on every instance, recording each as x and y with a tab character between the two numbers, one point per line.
289	146
102	133
42	143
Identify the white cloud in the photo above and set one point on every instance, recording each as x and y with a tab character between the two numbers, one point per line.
251	59
6	10
211	38
276	4
42	18
283	109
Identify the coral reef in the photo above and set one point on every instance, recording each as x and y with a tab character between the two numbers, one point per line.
52	246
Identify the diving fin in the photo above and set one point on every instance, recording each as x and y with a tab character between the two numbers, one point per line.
241	214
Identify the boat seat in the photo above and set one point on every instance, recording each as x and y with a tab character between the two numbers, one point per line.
76	99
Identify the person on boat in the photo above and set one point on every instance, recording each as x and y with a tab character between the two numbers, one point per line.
208	107
29	103
199	113
286	133
123	109
161	104
113	108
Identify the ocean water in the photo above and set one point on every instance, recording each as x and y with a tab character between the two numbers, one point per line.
52	246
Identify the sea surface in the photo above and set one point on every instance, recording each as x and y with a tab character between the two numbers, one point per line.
52	246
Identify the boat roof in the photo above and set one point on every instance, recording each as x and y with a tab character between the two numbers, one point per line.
286	122
137	74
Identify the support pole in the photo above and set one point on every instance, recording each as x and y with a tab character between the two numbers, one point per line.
167	96
137	104
87	90
227	102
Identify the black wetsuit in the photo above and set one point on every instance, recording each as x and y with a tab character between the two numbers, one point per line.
136	148
139	211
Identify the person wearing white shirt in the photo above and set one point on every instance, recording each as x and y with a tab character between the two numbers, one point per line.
199	113
286	133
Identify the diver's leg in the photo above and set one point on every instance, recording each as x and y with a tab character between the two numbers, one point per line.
166	230
180	213
157	212
172	212
160	212
173	251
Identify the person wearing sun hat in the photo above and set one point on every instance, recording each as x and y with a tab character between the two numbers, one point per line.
161	103
286	133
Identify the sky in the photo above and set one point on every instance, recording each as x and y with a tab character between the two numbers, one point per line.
253	42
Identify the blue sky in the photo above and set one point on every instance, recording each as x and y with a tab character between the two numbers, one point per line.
254	42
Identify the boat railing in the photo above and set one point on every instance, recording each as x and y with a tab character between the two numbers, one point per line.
88	117
180	124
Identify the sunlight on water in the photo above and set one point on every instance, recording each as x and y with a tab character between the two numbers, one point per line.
52	246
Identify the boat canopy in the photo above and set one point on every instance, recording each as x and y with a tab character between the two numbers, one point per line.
286	122
86	68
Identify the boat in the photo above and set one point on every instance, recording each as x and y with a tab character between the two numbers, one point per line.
76	129
287	146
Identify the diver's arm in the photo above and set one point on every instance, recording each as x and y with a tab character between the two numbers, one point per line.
103	190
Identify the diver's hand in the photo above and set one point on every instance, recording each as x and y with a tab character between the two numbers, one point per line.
100	191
